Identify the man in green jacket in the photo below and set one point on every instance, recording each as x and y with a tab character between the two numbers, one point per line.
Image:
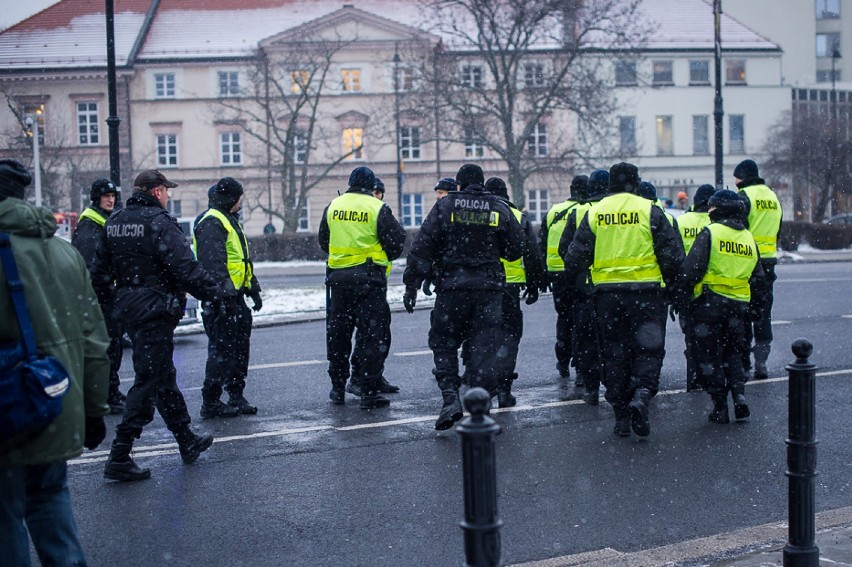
34	493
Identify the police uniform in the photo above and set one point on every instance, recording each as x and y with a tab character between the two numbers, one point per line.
632	251
145	253
763	219
465	235
222	249
550	235
722	276
86	237
361	237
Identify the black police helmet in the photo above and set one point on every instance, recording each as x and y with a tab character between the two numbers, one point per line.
100	188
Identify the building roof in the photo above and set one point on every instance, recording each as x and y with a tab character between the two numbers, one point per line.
71	34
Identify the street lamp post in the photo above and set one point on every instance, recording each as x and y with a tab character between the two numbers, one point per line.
31	122
396	61
835	54
112	120
718	111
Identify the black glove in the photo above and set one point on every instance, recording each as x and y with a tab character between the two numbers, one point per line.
427	287
95	432
409	299
531	293
255	297
673	310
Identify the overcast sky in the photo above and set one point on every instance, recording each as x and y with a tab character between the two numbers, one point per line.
13	11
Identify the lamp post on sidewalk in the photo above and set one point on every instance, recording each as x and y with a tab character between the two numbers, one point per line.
31	122
112	120
399	179
718	111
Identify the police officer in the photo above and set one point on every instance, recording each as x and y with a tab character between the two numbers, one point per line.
145	253
442	189
86	237
525	275
689	225
550	234
649	191
584	333
222	249
362	237
763	218
465	235
721	276
632	251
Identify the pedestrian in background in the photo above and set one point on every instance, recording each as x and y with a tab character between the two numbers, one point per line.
762	217
68	324
221	248
145	254
362	238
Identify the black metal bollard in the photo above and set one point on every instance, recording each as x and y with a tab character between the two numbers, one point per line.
481	525
801	549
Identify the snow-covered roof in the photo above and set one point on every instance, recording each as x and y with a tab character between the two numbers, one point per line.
72	33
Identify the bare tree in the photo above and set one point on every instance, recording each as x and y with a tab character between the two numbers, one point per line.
530	80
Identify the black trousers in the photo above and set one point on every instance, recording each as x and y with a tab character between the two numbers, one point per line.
365	312
632	332
719	327
472	316
115	350
685	320
511	331
563	302
759	330
228	328
584	339
155	384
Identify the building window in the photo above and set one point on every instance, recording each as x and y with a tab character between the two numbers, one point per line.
663	73
164	85
351	80
412	210
87	124
299	80
473	146
735	72
353	143
405	77
304	218
471	76
300	148
627	133
537	142
827	9
701	135
625	73
665	141
699	72
537	204
231	148
736	133
409	142
174	207
534	75
229	83
826	43
825	76
167	150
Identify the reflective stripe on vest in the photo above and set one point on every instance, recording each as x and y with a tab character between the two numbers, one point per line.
689	225
733	256
515	272
92	215
624	247
554	234
353	232
764	218
239	268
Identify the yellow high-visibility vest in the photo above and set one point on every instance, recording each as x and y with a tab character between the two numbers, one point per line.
515	272
239	266
555	228
764	218
93	215
689	225
733	256
353	232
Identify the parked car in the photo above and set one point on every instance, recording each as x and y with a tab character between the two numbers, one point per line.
840	219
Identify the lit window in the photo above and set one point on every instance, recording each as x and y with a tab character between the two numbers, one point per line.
353	143
663	73
229	83
736	134
699	72
627	135
534	75
625	73
827	9
473	146
538	203
826	43
537	142
471	76
231	149
167	150
665	140
299	81
300	148
735	72
164	85
87	124
412	210
409	142
700	135
304	218
351	79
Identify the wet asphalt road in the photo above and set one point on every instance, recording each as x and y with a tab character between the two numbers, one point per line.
308	483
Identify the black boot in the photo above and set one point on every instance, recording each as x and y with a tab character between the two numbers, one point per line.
370	398
191	445
638	408
622	421
592	396
720	410
505	399
385	387
120	465
240	402
451	411
741	410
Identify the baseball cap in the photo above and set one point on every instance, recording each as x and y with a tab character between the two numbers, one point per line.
152	178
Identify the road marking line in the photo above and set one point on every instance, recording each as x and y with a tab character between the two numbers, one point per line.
846	316
812	280
171	448
285	364
781	322
413	353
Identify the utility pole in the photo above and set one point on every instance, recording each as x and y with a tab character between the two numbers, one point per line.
31	122
112	120
718	112
399	177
